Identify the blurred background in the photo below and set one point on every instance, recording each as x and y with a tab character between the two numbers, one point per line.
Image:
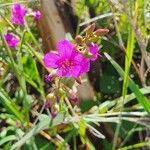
68	18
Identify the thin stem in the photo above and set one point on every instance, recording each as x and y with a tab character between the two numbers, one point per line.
42	109
74	143
70	106
18	71
47	136
32	36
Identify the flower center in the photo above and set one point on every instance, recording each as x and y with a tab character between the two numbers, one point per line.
67	64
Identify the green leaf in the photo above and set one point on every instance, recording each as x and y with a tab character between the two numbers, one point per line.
82	130
10	106
135	146
109	84
86	105
128	59
35	130
7	139
67	138
31	73
133	87
44	123
43	144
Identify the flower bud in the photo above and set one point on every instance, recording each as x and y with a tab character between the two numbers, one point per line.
79	39
50	96
90	28
101	32
37	15
55	107
94	39
62	92
2	69
48	78
78	80
54	110
53	114
47	104
73	97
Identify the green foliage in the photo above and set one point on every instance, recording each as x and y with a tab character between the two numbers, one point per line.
26	121
140	97
109	84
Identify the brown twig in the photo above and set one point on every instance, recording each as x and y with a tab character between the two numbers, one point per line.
47	136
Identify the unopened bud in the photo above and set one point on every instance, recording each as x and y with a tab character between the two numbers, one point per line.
2	69
74	97
90	28
50	96
79	39
55	108
78	80
2	72
101	32
48	78
94	39
62	92
53	114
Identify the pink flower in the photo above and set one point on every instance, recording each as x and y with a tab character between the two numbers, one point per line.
37	15
18	13
68	62
48	78
73	97
11	40
93	48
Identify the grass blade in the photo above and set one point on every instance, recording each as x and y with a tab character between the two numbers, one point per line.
10	106
128	59
133	87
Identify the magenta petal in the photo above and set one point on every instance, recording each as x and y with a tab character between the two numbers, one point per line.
18	10
18	13
11	40
50	60
93	48
63	73
85	67
37	15
83	62
76	71
78	58
65	48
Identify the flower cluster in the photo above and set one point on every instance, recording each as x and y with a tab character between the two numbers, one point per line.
68	62
11	40
73	60
18	13
37	15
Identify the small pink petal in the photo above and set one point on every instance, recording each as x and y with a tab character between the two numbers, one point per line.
50	60
85	66
63	72
74	97
37	15
11	40
65	48
83	62
18	13
76	71
93	48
